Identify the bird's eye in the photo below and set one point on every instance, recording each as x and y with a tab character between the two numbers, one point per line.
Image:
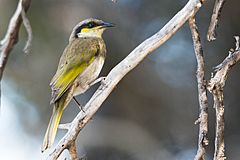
91	25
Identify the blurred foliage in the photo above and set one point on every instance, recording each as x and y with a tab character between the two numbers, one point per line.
151	113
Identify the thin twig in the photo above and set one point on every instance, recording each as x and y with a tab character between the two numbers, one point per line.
211	34
11	36
202	92
65	126
124	67
28	28
215	86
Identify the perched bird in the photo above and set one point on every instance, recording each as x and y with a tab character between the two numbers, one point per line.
79	65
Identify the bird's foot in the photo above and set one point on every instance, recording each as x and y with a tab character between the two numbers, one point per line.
100	79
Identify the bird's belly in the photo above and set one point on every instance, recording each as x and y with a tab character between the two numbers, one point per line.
88	76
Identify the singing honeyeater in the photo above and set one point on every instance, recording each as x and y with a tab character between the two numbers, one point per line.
79	65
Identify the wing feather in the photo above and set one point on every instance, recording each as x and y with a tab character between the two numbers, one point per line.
77	56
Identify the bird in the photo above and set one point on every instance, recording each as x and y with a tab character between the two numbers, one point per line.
79	66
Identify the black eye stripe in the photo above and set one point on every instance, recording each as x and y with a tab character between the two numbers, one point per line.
86	25
78	30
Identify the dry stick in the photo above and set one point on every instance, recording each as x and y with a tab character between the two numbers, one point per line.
219	153
65	126
202	92
215	86
28	28
119	71
11	36
211	34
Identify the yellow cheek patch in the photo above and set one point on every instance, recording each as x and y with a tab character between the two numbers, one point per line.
85	30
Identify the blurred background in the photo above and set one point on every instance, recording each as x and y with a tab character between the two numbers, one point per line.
151	113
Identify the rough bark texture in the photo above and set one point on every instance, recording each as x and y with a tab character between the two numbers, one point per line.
202	92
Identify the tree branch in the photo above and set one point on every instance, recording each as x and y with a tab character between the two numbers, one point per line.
202	92
211	34
119	71
215	86
28	28
66	126
11	36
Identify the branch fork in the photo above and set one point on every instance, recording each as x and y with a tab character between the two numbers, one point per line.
221	70
216	86
11	36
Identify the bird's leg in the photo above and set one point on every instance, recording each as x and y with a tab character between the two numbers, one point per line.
100	79
79	105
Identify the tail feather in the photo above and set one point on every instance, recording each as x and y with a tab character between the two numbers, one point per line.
52	126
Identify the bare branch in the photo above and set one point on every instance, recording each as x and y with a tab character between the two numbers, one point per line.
215	86
66	126
11	36
219	153
202	92
237	42
223	68
124	67
28	28
211	34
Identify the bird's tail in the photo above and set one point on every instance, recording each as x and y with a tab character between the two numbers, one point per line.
53	125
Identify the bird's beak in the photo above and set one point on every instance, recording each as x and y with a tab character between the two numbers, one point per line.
106	25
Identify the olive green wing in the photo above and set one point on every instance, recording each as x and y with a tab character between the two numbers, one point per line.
77	56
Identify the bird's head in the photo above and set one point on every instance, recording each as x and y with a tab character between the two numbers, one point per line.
90	28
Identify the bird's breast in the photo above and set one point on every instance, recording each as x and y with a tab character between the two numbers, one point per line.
89	75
